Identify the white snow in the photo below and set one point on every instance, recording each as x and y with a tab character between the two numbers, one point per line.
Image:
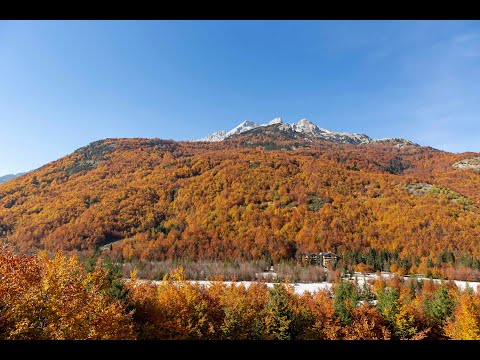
307	128
275	121
361	278
216	136
300	288
326	130
244	126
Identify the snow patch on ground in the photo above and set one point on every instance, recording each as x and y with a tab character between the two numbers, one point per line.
360	278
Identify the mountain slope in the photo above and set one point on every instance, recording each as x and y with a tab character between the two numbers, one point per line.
308	128
304	129
244	126
216	136
245	198
8	177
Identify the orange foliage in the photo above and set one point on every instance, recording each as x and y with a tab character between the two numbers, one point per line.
367	324
156	199
42	298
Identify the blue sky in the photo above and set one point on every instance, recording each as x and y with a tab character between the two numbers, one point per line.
64	84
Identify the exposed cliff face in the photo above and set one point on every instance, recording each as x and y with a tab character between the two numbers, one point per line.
471	163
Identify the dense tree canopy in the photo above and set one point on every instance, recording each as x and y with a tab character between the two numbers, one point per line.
44	298
248	198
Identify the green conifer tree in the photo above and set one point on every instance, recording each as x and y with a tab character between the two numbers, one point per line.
345	299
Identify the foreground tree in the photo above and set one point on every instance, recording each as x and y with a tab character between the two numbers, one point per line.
43	298
345	299
367	324
176	310
466	322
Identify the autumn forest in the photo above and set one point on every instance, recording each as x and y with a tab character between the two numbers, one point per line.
77	232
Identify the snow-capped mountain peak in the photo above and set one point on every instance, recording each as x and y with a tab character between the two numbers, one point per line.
216	136
306	129
277	120
305	126
244	126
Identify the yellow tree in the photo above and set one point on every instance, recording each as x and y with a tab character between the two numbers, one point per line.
466	322
58	300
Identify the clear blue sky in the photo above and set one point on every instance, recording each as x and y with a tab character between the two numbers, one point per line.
64	84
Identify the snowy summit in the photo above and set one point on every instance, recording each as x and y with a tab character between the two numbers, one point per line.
308	129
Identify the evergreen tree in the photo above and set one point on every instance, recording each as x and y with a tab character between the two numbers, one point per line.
366	293
345	299
439	308
279	315
387	303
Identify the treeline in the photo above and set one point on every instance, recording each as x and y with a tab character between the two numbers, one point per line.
443	265
61	298
239	270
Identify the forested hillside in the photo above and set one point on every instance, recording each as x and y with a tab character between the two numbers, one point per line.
252	196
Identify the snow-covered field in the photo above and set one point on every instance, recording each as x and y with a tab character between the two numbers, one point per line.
300	288
460	284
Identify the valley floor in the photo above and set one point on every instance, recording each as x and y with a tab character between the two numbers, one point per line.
300	288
